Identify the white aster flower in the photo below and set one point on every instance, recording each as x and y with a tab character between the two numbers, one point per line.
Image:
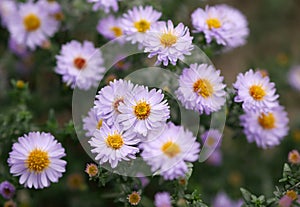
80	65
92	122
138	21
201	88
143	110
112	144
168	43
31	25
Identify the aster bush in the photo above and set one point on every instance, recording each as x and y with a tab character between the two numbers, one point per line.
149	103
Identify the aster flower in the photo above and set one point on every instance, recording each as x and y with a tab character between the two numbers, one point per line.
294	77
211	138
80	64
168	153
109	98
92	122
222	200
138	21
201	88
215	159
36	158
168	43
91	170
266	129
285	201
143	110
113	144
162	199
256	92
31	25
222	23
105	5
7	190
7	9
294	157
134	198
110	27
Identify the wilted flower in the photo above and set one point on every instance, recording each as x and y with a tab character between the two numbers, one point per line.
134	198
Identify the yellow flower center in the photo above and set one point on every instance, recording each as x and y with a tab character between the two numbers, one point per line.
142	110
117	31
292	194
170	149
20	84
134	198
117	103
79	63
257	92
267	121
31	22
168	39
37	161
142	25
294	157
213	23
210	141
99	125
204	88
114	141
59	16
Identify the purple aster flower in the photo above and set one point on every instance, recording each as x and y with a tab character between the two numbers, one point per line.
105	5
31	25
222	23
256	92
294	77
266	129
212	138
109	98
168	153
222	200
80	64
7	9
110	27
7	190
215	159
143	110
201	88
113	144
36	158
92	122
169	43
162	199
285	201
138	21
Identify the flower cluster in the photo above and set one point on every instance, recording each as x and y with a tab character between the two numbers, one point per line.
265	121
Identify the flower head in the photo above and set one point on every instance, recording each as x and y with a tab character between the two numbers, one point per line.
36	157
256	92
294	157
134	198
143	110
285	201
92	122
167	154
105	5
53	8
162	199
7	190
266	129
138	21
91	169
201	88
169	43
222	23
31	25
294	77
109	99
113	144
80	64
110	27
